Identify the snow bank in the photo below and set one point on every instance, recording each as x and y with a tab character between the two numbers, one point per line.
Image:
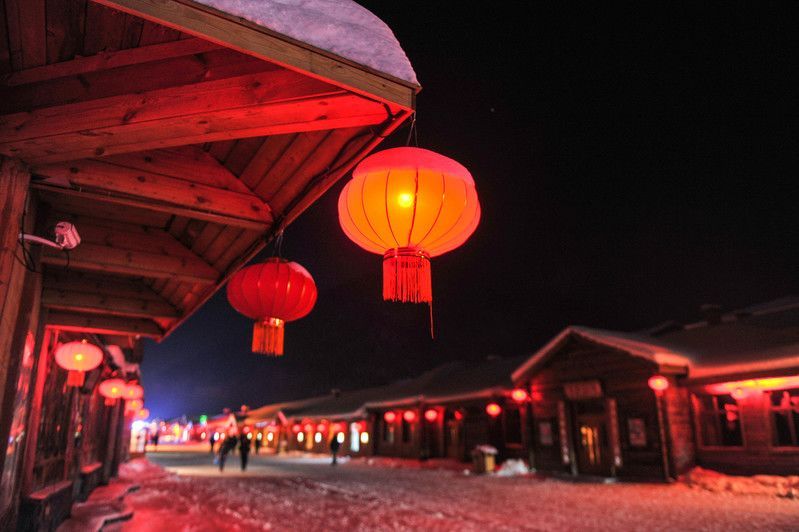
512	468
771	485
338	26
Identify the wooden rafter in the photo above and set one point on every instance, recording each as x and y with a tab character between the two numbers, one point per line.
90	323
152	190
96	303
244	36
133	251
246	106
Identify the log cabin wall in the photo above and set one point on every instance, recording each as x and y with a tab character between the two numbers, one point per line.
593	414
746	439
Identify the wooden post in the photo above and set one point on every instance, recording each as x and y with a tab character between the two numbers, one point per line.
664	445
14	181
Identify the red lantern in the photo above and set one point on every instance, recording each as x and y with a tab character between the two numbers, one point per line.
296	428
142	414
458	415
409	204
133	391
738	394
78	358
272	293
431	415
519	395
321	427
389	417
658	383
134	405
308	427
409	416
493	409
112	389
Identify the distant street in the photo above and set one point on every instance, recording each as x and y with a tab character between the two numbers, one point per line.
306	493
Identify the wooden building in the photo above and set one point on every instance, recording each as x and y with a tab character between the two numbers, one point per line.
732	401
178	138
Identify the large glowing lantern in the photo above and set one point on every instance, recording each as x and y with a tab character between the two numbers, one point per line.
78	358
112	389
272	293
409	204
658	383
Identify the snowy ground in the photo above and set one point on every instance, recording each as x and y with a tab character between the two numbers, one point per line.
298	493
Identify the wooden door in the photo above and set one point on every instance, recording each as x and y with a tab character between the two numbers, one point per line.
592	447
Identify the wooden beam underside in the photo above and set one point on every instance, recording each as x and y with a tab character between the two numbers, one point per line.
97	303
73	321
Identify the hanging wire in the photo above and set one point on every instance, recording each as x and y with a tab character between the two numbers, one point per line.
278	249
413	133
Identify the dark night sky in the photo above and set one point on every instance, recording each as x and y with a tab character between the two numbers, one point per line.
646	166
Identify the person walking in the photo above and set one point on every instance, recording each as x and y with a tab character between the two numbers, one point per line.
212	439
244	449
258	442
335	445
155	440
227	445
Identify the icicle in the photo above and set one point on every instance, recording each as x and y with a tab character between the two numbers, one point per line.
267	337
406	276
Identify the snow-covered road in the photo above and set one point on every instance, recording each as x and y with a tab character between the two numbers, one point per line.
309	494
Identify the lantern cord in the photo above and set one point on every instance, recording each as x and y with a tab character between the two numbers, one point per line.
432	331
413	132
278	249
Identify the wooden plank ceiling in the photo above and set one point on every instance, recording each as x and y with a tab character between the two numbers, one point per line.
176	157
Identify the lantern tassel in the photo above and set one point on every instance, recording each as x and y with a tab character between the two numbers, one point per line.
267	337
75	378
406	276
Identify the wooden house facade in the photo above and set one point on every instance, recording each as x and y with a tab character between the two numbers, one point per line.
178	138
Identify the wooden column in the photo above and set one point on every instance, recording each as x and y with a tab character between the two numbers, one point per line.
14	181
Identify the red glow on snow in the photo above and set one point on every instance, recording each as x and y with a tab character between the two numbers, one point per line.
519	395
493	409
658	383
409	416
389	417
431	415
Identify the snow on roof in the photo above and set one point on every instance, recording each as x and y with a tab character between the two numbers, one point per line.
640	346
341	27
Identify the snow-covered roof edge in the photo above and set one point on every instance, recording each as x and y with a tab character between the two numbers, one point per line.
340	27
629	343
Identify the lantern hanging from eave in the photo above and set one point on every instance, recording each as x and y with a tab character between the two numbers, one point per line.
272	293
133	391
142	414
409	205
133	405
78	358
112	389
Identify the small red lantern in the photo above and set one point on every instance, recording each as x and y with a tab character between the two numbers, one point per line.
431	414
272	293
296	428
458	415
409	204
133	405
112	389
390	417
409	416
133	391
78	358
658	383
321	427
142	413
738	394
519	395
308	427
493	409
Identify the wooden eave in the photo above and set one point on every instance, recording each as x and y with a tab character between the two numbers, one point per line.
179	140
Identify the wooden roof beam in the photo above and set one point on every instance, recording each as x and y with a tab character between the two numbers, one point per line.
135	253
114	325
248	106
249	38
94	303
146	188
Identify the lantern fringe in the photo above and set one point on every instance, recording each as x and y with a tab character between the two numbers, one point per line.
75	378
406	276
267	337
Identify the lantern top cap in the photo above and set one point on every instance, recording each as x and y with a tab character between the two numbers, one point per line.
408	158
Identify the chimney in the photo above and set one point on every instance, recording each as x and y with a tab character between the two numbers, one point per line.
711	313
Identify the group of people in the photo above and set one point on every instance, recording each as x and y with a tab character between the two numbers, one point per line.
229	444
